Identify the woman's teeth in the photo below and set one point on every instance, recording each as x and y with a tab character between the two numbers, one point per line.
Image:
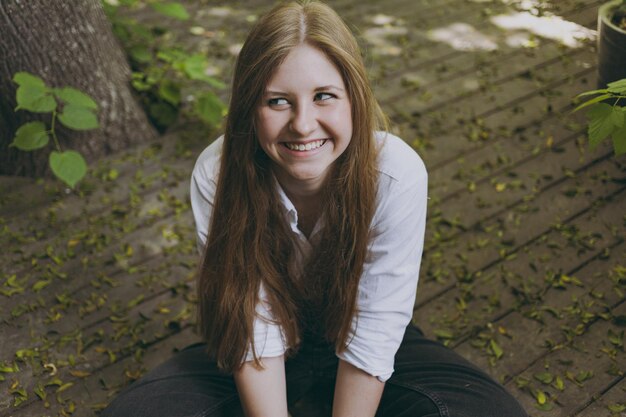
308	147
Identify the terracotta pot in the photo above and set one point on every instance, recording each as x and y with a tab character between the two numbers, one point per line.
611	46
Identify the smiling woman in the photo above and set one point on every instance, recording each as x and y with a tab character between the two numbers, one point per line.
310	221
304	122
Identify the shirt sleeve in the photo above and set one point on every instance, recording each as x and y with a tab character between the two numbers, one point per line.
269	340
202	195
388	285
268	335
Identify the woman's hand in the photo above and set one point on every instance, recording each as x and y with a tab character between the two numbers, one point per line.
357	393
263	392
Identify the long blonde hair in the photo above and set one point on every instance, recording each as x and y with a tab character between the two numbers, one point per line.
249	241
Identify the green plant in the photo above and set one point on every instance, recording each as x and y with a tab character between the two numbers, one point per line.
619	16
607	119
69	106
163	70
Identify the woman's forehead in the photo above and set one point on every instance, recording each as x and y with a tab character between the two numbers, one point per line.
306	67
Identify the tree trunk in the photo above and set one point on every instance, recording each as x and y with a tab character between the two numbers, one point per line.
66	43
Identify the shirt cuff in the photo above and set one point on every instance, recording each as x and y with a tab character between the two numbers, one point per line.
382	372
373	346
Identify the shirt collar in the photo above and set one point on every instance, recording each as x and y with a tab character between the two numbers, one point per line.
290	209
292	213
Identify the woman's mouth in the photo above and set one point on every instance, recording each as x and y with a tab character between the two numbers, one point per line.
304	147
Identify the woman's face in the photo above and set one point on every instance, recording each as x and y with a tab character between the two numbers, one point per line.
304	120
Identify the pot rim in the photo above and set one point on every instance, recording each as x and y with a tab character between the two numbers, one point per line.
604	11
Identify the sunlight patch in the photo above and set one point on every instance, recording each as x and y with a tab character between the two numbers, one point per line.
463	37
220	11
551	27
522	40
471	84
384	31
379	37
382	19
235	48
533	6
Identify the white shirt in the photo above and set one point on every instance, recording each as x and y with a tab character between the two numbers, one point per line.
387	288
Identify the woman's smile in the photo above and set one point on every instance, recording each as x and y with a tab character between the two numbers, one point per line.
305	147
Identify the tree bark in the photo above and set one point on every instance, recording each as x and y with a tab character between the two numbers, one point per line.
66	43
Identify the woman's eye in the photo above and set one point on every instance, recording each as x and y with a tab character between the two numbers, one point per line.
277	102
323	96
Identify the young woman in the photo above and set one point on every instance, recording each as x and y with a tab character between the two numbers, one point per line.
310	219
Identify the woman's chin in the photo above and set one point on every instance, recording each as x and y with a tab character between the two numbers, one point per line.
307	179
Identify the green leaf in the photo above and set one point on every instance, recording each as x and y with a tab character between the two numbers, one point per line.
141	54
40	285
592	101
175	10
28	79
34	98
617	116
615	338
64	387
135	301
76	98
143	32
195	66
209	108
592	92
68	166
600	123
545	377
582	376
619	140
40	392
559	383
541	397
170	92
8	368
214	82
617	87
22	354
444	334
168	55
617	408
78	117
31	136
544	406
32	93
139	81
496	349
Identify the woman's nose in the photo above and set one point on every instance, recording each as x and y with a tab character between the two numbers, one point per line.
304	120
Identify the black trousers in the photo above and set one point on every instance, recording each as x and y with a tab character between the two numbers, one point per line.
430	380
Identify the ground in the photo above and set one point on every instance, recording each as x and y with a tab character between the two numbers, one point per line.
524	268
